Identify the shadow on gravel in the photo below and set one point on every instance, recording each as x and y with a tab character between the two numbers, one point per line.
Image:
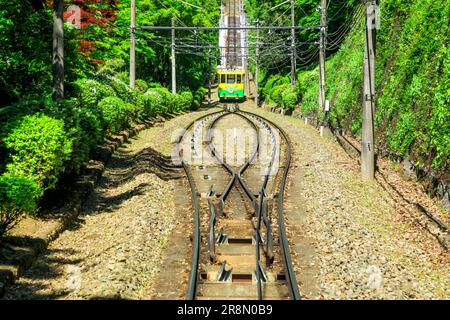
108	204
33	284
124	167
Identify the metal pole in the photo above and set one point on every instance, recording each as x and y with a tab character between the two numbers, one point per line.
293	48
209	78
133	44
368	146
173	57
257	64
246	64
323	22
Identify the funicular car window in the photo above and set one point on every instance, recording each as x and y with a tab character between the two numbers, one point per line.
222	78
238	78
230	78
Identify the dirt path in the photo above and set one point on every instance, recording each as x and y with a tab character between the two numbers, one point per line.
349	239
114	249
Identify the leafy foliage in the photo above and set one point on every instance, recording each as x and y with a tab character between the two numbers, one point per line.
41	140
18	195
116	113
412	116
39	148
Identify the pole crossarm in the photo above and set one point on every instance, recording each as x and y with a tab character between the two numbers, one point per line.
180	28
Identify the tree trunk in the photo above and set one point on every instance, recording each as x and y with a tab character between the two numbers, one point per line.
58	49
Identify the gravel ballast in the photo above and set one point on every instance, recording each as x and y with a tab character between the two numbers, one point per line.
357	243
114	249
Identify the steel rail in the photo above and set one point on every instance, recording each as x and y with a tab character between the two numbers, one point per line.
236	176
193	276
260	210
290	273
226	192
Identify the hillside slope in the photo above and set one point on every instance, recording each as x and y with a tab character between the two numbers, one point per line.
412	117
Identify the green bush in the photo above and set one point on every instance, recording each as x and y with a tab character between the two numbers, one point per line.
141	85
18	195
116	113
187	100
84	127
198	98
39	147
123	90
90	92
111	67
138	104
150	107
277	93
289	97
267	88
154	85
165	101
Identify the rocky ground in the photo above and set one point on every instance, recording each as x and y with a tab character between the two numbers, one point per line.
350	239
357	244
115	248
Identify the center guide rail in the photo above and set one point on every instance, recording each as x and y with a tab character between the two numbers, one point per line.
259	205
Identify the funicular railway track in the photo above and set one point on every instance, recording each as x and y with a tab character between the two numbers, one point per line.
238	212
233	42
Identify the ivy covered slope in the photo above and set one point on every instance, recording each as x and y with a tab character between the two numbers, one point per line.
413	82
42	140
412	117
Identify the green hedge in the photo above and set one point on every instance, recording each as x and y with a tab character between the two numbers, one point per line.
39	147
43	139
18	195
279	90
116	113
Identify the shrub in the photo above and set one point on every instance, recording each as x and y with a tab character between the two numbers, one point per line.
18	195
39	148
111	67
154	85
141	85
165	101
137	104
198	98
90	92
122	90
290	100
116	113
151	100
187	100
277	94
269	85
84	126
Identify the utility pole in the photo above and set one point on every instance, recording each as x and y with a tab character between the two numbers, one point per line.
257	64
247	71
209	78
173	57
58	49
293	48
323	30
368	146
133	44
